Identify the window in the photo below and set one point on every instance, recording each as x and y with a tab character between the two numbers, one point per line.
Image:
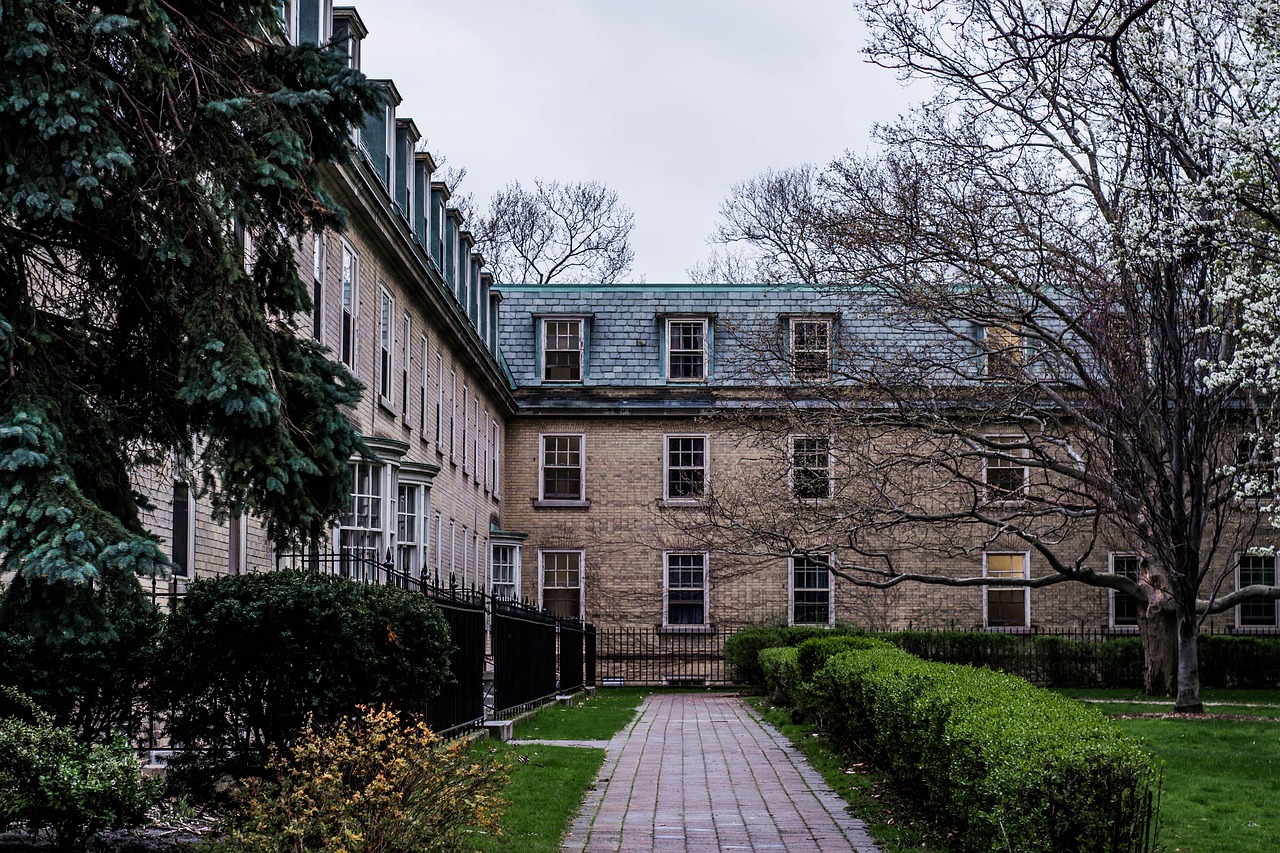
453	552
811	590
473	435
238	545
810	467
405	330
687	350
289	20
1005	607
384	346
360	527
1003	474
810	350
439	400
453	415
408	531
350	272
562	582
562	350
182	540
685	467
505	572
424	402
1256	464
439	546
686	587
493	460
1004	350
465	421
1124	610
317	286
561	468
1256	570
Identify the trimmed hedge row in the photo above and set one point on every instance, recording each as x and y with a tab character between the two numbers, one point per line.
1010	766
1225	661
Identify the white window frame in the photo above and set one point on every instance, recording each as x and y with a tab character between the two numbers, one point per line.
437	543
667	588
1113	596
581	466
792	589
989	451
189	525
289	20
409	553
368	532
439	435
1026	592
495	462
406	356
544	334
453	416
794	338
792	467
386	346
350	306
1259	627
582	570
705	351
318	249
238	544
425	395
667	467
514	565
466	420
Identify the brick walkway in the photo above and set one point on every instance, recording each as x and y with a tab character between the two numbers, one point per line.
702	772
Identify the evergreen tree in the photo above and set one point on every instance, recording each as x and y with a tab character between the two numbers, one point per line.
142	140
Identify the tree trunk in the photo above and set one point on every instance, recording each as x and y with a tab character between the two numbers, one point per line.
1188	701
1158	627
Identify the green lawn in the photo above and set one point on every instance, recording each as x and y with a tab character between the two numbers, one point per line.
598	718
543	796
1219	775
547	787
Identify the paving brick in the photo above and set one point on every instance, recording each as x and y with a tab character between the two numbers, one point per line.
701	772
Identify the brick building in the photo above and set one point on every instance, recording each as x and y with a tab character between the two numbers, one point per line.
554	442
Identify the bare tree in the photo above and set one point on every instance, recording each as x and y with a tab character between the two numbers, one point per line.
771	226
573	232
1047	262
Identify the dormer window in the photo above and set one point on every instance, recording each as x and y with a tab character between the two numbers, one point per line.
687	350
810	349
1004	348
562	349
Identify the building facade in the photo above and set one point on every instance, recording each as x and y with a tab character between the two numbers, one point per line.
557	443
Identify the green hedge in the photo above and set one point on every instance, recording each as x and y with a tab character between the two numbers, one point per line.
742	650
247	660
1010	766
781	670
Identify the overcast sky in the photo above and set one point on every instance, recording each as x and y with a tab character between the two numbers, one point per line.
669	102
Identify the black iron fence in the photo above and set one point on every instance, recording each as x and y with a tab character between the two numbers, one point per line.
657	656
524	656
573	642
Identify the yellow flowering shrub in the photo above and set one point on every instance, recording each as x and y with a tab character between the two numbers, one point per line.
375	784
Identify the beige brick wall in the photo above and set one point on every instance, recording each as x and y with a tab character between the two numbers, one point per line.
626	529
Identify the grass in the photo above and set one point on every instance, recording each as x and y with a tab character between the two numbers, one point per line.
549	782
891	816
598	718
543	796
1219	775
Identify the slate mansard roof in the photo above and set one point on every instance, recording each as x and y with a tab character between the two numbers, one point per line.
625	322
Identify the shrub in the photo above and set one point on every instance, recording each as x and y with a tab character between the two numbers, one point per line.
780	666
1239	662
372	784
249	659
742	650
1009	765
50	781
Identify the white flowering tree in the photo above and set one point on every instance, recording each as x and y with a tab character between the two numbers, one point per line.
1064	263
